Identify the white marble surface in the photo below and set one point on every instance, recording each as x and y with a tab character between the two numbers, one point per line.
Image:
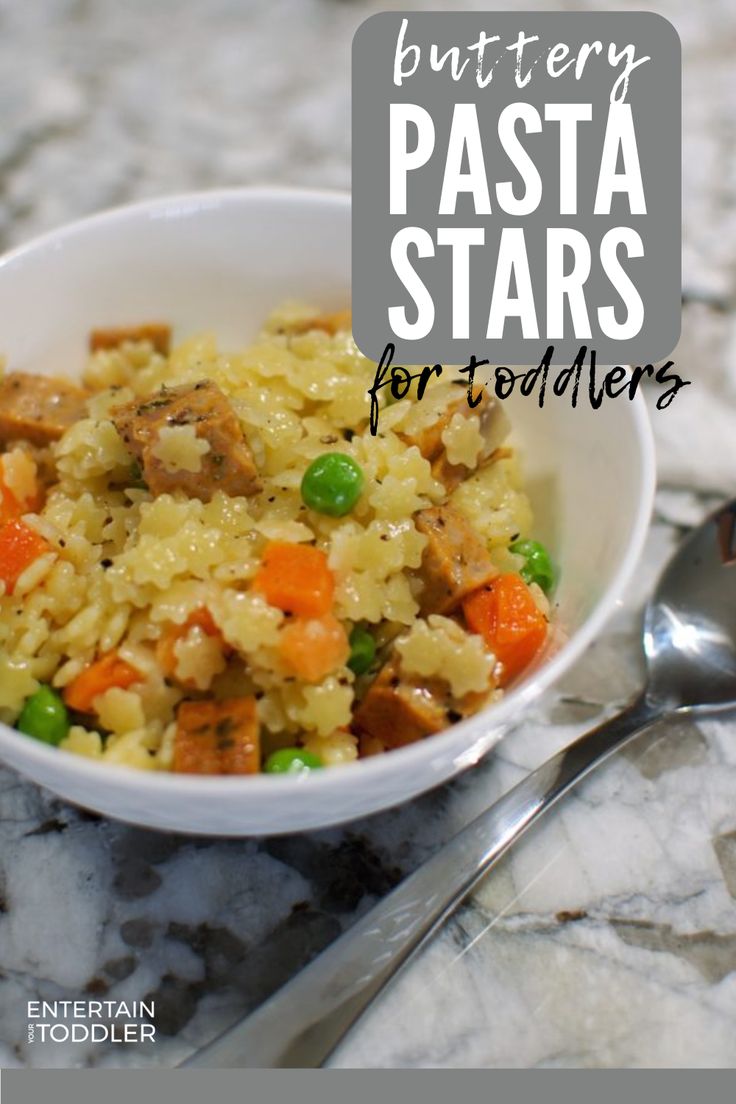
608	937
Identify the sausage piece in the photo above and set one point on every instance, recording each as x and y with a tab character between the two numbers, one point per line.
38	409
217	737
227	466
492	423
397	711
455	561
158	333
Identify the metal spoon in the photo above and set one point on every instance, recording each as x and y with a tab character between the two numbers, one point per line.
690	646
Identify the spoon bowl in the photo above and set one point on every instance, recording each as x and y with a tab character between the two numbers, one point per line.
690	622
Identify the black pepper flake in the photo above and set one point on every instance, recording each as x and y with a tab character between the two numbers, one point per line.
224	727
179	419
453	716
106	563
152	404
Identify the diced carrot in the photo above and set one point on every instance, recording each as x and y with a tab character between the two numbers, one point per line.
200	618
313	648
105	673
10	507
296	579
166	649
505	614
217	737
19	547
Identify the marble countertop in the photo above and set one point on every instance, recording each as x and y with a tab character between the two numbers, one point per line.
608	936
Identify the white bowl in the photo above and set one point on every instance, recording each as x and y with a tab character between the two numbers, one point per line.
222	260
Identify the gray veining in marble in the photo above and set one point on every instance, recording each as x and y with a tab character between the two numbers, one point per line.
608	937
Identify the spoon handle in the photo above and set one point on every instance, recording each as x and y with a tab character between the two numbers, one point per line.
302	1023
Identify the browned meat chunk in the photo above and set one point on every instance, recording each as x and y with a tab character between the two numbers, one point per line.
397	711
157	333
455	560
38	409
217	737
227	466
492	425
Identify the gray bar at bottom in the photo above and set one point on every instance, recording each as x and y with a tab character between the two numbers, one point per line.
421	1086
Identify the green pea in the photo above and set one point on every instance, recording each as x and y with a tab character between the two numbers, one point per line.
362	650
44	717
538	566
332	484
292	760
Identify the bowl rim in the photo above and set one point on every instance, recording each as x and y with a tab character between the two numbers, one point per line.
124	779
174	205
